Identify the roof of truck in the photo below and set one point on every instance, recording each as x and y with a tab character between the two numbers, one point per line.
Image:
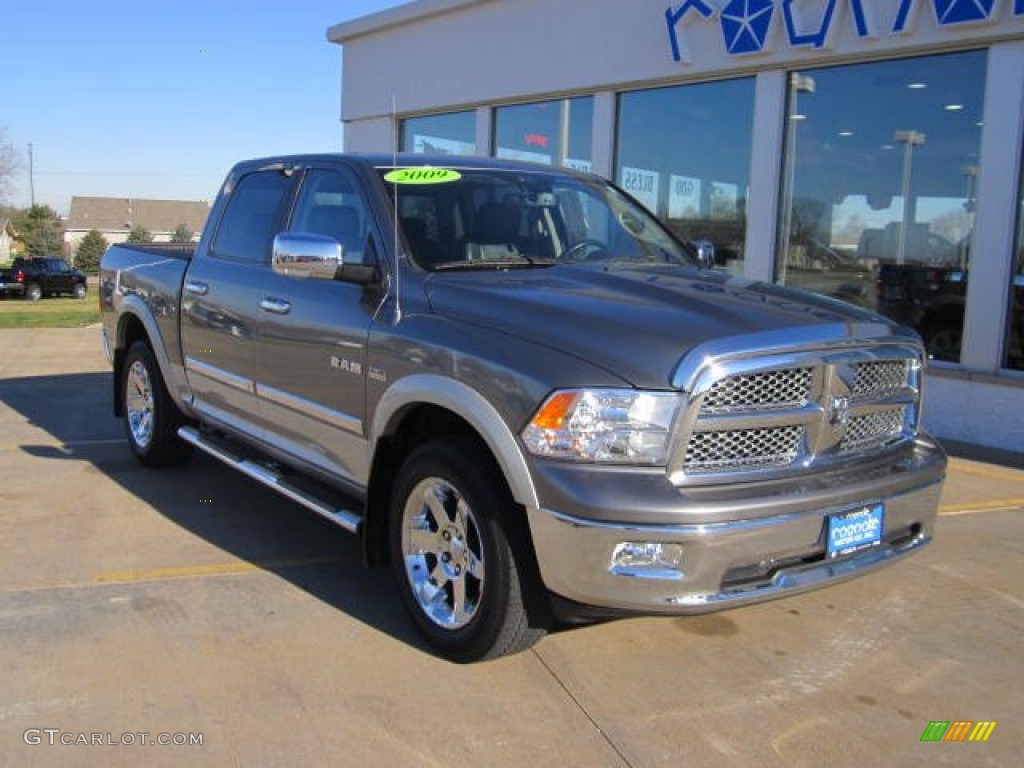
406	160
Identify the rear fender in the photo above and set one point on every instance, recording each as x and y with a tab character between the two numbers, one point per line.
133	307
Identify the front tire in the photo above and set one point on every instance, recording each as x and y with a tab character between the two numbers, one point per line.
458	575
150	416
78	291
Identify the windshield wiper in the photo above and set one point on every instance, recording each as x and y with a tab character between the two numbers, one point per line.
522	262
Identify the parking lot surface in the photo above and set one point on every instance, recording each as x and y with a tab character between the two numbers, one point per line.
193	605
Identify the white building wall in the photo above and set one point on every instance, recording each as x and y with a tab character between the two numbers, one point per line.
369	134
975	408
451	55
497	51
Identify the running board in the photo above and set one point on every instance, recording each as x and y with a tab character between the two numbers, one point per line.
348	520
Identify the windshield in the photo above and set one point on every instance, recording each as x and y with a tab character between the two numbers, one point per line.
463	218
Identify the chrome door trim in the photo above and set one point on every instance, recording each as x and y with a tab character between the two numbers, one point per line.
220	376
309	408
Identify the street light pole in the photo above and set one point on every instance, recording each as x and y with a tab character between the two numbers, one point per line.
909	139
797	84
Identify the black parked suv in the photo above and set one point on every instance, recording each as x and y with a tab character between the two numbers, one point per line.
43	276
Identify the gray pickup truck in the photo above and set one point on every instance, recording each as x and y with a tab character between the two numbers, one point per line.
523	392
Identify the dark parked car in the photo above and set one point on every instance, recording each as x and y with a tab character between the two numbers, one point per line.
43	276
932	299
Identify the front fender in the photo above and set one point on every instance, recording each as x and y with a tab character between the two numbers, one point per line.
467	403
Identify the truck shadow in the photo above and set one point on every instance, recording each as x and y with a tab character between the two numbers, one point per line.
207	499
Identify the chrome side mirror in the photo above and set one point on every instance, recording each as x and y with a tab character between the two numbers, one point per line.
705	253
303	255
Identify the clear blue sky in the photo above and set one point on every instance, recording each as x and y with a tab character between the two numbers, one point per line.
129	99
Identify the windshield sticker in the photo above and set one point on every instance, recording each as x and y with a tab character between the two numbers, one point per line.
422	175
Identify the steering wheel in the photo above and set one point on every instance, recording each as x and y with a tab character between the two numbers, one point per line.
572	252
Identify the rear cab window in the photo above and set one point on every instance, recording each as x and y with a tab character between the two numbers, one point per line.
251	217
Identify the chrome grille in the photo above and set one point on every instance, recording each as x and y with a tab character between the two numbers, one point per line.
796	411
774	390
873	430
772	447
879	379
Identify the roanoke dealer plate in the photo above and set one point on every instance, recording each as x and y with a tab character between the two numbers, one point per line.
852	531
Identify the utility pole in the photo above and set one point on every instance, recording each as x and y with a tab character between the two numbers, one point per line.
31	177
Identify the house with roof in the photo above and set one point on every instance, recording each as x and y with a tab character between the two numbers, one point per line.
6	239
115	217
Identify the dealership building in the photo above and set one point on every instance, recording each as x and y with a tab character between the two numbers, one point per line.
869	150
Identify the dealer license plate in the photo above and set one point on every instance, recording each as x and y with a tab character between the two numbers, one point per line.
852	531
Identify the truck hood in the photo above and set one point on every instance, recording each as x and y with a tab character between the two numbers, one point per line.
634	320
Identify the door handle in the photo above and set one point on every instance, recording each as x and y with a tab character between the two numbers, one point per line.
277	306
197	288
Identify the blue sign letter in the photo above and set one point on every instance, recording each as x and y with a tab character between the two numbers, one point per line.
861	19
672	19
816	39
1018	8
901	17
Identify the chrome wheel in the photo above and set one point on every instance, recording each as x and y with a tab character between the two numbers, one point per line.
443	553
138	402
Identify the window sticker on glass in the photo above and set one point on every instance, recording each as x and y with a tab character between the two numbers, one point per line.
422	175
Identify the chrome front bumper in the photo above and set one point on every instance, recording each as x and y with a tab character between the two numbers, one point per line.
733	562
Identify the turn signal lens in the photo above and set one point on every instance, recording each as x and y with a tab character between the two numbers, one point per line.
555	411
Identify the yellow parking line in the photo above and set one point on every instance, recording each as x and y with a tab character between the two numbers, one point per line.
218	569
984	506
986	471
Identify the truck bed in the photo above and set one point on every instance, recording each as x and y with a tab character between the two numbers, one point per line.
149	275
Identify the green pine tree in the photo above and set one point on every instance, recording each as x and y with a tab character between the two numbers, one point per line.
182	234
140	234
90	251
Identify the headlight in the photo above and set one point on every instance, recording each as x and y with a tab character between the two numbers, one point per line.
612	426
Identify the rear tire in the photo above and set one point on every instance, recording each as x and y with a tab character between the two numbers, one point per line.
150	416
458	575
33	292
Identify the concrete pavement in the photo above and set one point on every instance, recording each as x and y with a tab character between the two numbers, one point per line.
192	602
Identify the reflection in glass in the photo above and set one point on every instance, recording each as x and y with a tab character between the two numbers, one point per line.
549	132
496	219
449	134
1015	338
684	152
878	188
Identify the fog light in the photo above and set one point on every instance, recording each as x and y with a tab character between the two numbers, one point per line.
647	559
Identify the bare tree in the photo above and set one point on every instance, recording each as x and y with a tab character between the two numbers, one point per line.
8	165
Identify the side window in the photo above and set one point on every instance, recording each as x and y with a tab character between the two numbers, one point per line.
331	203
245	229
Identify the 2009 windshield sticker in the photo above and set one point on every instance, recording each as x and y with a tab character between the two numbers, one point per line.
422	175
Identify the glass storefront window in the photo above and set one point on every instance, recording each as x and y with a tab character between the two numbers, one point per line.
449	134
1015	338
879	184
549	132
684	152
